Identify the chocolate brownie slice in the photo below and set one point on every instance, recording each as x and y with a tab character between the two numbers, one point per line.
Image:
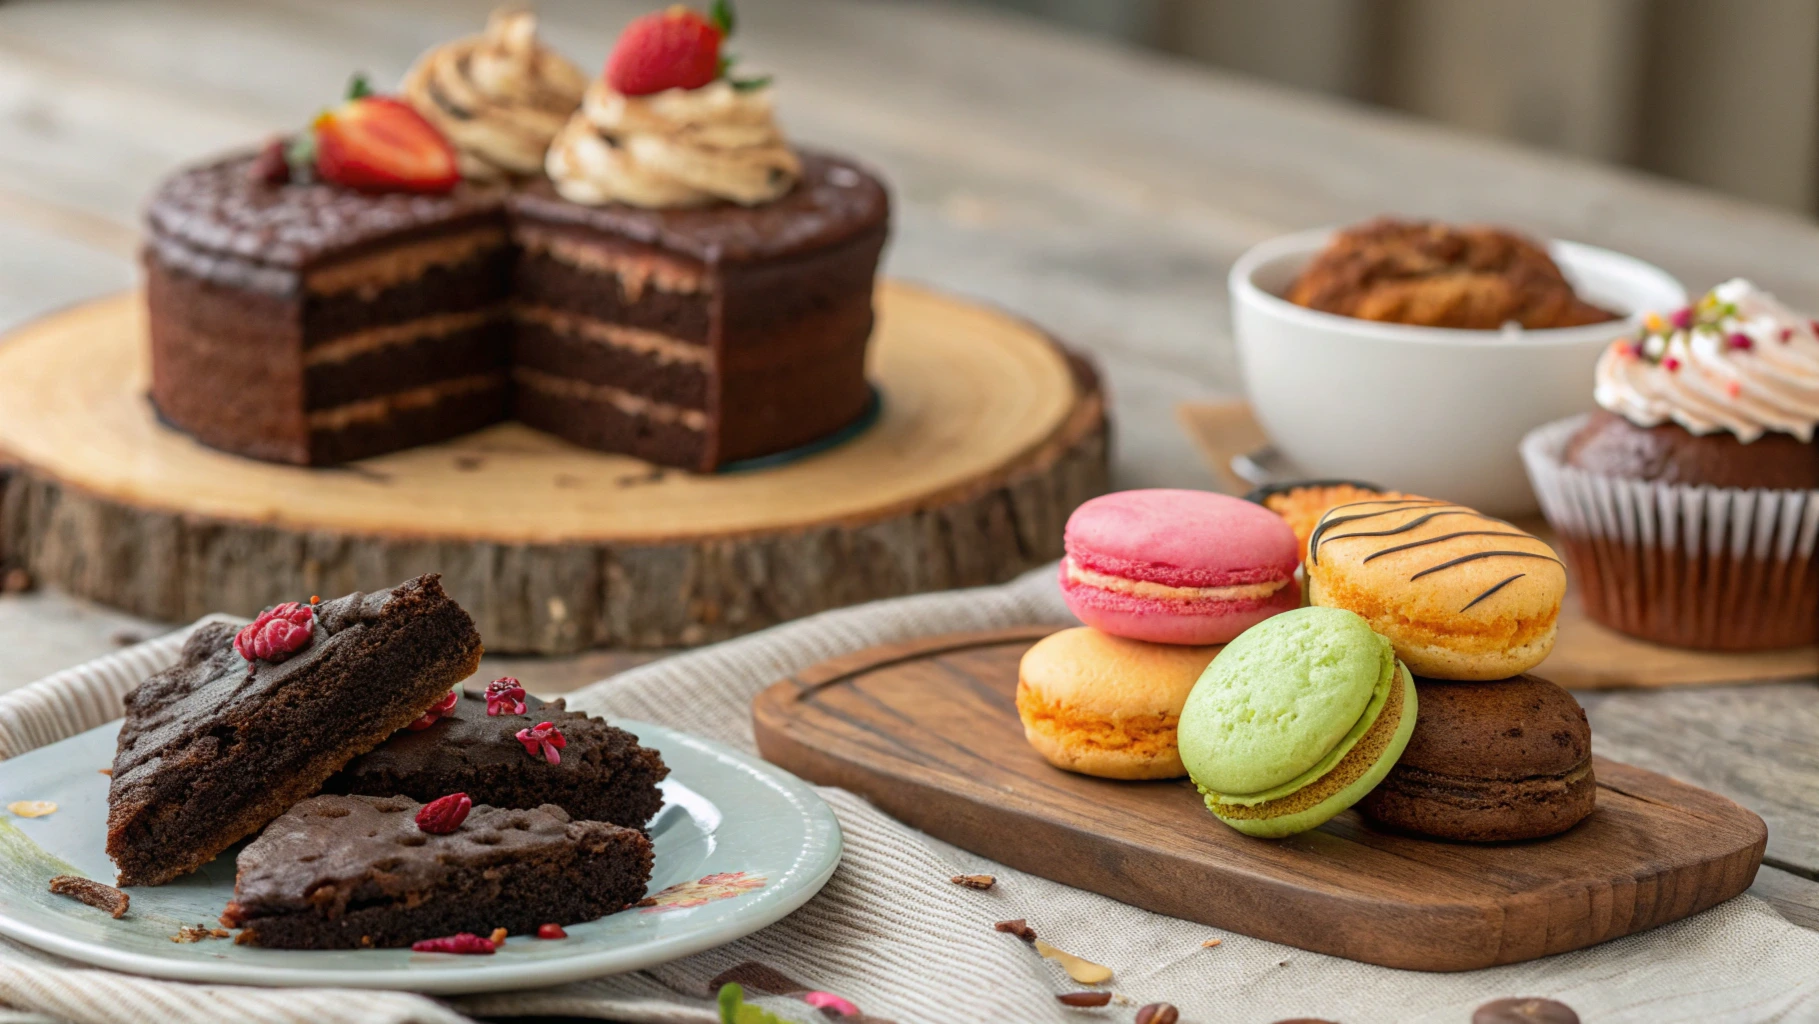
602	773
217	745
345	872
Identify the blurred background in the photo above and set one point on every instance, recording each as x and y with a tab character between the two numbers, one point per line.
1720	93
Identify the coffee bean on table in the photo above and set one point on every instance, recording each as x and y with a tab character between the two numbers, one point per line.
1527	1010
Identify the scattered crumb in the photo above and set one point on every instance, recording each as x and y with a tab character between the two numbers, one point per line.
1210	943
109	772
499	935
648	901
1019	927
93	893
980	882
31	808
468	463
126	638
199	933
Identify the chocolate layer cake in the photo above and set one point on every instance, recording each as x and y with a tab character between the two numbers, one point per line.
603	775
216	746
313	324
347	872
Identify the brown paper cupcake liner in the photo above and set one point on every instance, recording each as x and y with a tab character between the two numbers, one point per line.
1721	569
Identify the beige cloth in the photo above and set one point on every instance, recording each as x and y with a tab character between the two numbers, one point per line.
893	935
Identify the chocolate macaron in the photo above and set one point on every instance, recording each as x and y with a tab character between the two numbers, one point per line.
1490	761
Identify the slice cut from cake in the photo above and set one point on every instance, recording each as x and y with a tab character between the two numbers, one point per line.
244	726
346	872
313	324
601	773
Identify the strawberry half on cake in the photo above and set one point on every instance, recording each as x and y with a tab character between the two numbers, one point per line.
1178	567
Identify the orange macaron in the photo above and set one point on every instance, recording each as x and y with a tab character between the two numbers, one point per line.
1102	705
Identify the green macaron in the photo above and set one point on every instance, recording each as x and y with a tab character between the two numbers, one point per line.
1296	720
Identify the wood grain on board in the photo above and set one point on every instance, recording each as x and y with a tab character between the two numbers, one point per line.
928	731
1586	655
990	435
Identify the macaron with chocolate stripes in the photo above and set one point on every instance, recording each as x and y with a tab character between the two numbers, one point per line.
1489	762
1461	594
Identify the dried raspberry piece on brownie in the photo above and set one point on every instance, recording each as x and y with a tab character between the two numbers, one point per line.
216	746
344	872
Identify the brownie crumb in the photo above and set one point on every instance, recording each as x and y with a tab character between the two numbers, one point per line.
199	933
93	893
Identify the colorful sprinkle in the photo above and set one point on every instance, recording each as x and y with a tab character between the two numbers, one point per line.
1683	317
1654	323
551	931
1670	364
1741	342
1733	389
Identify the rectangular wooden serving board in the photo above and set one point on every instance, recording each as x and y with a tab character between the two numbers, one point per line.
928	732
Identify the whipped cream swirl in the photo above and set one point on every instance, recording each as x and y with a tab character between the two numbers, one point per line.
1738	360
676	148
499	97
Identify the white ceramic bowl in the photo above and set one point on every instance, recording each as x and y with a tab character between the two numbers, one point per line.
1429	410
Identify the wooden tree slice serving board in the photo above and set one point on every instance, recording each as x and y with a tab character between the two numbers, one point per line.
990	435
929	733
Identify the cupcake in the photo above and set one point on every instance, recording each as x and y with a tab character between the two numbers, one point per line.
1688	506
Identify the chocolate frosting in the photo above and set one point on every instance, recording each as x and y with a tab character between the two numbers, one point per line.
835	200
175	709
215	221
468	737
329	851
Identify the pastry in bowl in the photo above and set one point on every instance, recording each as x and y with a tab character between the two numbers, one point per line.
1431	274
1688	505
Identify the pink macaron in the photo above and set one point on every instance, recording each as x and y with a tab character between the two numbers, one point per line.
1178	567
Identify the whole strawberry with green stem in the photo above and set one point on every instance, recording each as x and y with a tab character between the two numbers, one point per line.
675	48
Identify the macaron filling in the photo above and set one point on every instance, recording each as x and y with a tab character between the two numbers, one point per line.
1079	575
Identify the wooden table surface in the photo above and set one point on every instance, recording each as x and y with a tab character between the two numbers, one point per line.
1101	192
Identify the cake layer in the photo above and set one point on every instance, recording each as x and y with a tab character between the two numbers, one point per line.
480	280
614	422
408	419
637	362
382	361
615	284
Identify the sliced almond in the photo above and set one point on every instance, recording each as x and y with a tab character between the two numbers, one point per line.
31	808
1083	971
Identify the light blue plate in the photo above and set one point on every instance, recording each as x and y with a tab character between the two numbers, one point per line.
739	844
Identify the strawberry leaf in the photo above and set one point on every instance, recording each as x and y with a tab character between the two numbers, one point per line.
300	153
722	16
357	87
749	84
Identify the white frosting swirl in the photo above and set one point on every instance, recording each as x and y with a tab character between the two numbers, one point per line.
676	148
499	97
1738	361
